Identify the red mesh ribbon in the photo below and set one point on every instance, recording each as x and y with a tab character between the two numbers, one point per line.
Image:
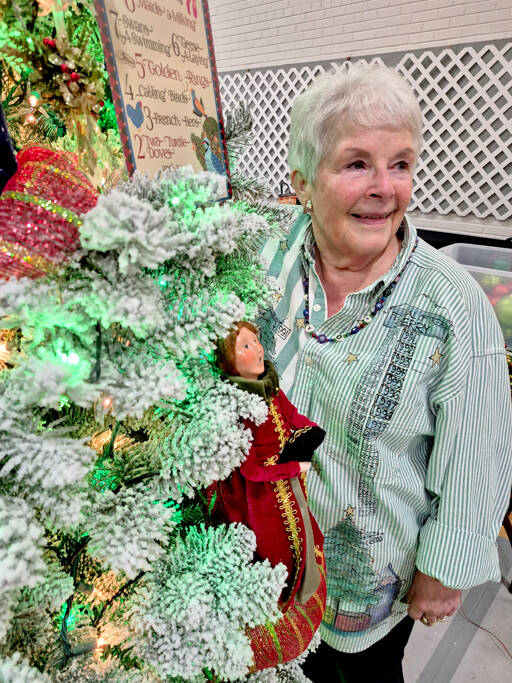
40	211
288	637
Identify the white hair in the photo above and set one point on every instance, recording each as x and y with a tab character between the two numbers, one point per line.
357	96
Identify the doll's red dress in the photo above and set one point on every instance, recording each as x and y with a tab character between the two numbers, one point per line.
270	498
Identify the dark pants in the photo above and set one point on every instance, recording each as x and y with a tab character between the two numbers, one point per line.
380	663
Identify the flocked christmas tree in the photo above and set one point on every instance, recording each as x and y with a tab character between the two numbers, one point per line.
112	418
112	422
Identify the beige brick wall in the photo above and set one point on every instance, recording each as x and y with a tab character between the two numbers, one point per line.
259	33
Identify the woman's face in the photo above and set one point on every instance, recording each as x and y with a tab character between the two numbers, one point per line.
248	354
361	192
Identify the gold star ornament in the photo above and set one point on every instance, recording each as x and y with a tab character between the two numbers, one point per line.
436	357
351	358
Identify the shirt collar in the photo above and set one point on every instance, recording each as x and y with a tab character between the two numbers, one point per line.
308	243
407	233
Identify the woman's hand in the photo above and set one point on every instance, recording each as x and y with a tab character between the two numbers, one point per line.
430	601
304	466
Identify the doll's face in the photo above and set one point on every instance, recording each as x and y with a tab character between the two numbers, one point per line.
248	354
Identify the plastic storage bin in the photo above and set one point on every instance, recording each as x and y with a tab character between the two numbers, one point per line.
492	269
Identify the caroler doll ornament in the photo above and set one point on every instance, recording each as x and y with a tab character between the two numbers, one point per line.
267	493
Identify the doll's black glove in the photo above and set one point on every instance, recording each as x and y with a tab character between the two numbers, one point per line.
302	444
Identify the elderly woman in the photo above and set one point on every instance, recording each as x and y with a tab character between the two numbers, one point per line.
394	349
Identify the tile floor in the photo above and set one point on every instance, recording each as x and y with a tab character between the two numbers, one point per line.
458	652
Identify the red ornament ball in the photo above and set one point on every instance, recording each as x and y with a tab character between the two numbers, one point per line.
74	76
64	68
49	42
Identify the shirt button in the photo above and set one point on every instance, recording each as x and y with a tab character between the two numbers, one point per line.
308	361
317	307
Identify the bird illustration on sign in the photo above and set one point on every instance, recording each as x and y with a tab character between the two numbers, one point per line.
208	147
197	104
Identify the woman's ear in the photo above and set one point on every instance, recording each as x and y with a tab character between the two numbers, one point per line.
300	185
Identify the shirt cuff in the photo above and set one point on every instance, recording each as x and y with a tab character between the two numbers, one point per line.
458	558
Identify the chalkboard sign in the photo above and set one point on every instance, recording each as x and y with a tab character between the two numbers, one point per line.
161	65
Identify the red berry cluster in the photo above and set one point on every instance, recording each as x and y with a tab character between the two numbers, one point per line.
73	76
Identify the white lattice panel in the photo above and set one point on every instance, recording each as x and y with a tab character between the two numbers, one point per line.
466	99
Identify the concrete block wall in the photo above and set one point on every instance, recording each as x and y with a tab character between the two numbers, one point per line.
252	34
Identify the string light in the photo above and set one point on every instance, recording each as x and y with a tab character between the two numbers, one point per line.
6	336
72	358
4	356
33	101
101	439
107	402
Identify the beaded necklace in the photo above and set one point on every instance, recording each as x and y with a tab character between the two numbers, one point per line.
323	338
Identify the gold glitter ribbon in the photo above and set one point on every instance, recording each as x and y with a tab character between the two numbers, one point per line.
70	176
23	254
47	204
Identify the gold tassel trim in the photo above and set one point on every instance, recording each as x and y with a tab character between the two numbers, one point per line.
291	523
278	423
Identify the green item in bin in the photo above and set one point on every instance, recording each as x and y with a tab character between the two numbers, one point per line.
501	264
489	281
503	310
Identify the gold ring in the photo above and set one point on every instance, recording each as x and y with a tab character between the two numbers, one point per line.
441	619
425	621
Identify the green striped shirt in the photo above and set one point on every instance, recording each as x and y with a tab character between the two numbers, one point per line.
415	470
